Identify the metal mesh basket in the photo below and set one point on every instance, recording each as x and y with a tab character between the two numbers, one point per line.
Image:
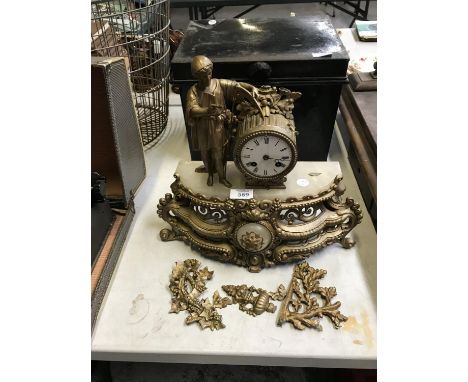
139	31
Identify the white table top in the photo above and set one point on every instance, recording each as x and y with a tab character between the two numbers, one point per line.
149	333
362	54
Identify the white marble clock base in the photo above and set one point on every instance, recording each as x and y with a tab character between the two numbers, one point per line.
307	178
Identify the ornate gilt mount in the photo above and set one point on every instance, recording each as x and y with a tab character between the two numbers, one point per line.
301	308
272	101
257	298
186	285
259	233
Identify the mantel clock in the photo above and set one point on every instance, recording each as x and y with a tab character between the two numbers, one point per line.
265	149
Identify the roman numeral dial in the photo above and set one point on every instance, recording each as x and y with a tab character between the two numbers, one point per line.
266	156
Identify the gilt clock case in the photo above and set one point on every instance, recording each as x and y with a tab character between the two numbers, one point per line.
302	54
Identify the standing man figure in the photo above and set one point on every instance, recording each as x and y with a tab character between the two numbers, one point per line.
207	114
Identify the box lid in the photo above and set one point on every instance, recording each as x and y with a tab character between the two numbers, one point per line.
116	146
294	47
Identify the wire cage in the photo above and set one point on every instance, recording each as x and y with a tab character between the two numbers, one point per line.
138	30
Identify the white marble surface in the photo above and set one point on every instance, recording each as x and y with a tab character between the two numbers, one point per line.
307	178
134	323
362	54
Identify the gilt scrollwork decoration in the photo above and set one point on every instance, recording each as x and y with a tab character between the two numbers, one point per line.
254	301
272	101
306	302
300	215
277	231
211	214
187	283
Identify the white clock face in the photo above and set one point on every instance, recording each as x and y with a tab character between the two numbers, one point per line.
266	155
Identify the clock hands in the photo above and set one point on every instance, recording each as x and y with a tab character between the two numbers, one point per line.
266	157
278	161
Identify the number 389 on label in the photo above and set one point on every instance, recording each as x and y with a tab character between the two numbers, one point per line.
241	194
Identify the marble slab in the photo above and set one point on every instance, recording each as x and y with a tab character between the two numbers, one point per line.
134	323
307	178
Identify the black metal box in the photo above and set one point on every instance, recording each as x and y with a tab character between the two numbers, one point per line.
301	53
